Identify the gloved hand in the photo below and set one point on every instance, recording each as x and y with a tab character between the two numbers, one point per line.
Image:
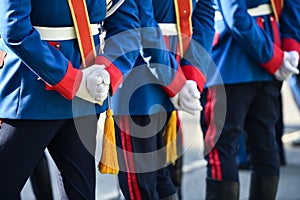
94	85
188	99
289	66
294	59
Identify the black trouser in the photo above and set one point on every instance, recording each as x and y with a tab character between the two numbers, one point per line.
41	181
252	108
22	143
141	155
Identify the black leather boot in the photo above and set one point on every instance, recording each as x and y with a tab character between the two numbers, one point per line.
221	190
263	187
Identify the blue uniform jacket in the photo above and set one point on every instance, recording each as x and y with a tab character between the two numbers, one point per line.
28	64
246	48
143	90
196	60
148	88
289	25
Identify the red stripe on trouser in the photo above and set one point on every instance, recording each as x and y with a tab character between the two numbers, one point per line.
213	155
123	139
133	187
217	164
179	130
210	132
210	162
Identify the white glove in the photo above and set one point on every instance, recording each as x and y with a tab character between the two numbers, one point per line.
94	85
294	58
289	66
188	99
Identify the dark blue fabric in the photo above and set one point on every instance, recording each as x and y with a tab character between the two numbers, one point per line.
22	143
252	108
31	62
153	179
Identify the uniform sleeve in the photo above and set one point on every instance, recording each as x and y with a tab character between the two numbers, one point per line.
163	63
122	42
197	58
203	24
289	25
44	60
252	39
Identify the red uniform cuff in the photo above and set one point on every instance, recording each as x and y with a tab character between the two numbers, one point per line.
116	76
175	86
70	83
274	64
193	73
289	44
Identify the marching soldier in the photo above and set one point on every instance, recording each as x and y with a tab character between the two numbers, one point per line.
52	84
142	125
248	54
196	37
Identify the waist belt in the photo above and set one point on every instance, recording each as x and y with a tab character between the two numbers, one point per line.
263	9
62	33
168	29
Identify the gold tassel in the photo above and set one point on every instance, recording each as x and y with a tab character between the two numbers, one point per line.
108	163
170	139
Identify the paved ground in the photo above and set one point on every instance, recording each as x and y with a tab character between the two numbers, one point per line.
289	185
194	166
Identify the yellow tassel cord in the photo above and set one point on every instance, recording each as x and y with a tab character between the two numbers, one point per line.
109	161
170	139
